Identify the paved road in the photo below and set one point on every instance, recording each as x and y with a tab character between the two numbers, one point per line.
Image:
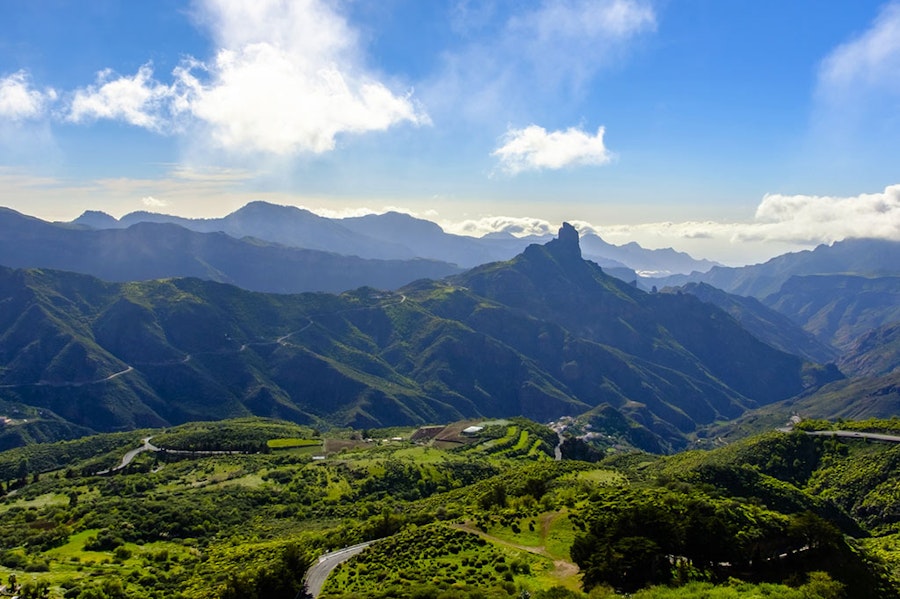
857	435
128	457
147	446
318	573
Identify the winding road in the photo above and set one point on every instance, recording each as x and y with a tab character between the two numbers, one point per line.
318	572
128	457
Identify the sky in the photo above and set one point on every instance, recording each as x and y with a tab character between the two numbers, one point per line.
733	130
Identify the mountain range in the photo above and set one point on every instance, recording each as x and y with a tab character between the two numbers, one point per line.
838	308
838	302
152	250
863	257
395	236
544	334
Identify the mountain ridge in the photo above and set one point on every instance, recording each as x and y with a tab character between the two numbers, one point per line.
860	256
472	345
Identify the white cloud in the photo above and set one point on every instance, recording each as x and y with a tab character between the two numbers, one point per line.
19	101
815	219
516	226
152	202
803	220
869	62
857	96
533	148
286	80
792	219
138	100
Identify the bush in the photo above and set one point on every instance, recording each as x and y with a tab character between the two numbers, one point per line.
13	560
122	553
38	565
104	541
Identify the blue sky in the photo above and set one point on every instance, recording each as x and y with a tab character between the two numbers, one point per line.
734	130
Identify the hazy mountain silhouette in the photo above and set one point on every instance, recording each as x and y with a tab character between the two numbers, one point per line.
394	235
159	250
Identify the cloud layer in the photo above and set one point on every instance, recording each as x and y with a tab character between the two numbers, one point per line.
533	148
814	219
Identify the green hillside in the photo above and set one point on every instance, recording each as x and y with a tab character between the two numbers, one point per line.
487	513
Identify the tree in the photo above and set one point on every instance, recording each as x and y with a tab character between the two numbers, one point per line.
22	472
281	580
35	590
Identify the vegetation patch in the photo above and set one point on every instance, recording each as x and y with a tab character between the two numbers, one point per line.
775	515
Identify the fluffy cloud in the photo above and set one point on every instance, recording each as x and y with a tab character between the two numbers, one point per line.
533	148
138	100
286	79
19	101
517	226
815	219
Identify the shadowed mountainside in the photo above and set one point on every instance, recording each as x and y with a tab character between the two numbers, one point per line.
543	335
767	324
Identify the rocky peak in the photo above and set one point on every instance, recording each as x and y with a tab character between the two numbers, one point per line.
566	242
